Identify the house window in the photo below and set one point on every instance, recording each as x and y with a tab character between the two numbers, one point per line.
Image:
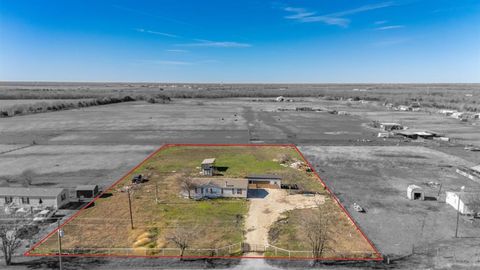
25	200
239	191
233	191
196	190
63	197
8	199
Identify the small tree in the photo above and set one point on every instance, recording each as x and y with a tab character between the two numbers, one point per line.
316	231
182	237
26	177
10	241
187	186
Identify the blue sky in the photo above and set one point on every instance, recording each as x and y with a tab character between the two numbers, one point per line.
305	41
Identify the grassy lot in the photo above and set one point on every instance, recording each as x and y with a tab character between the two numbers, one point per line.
217	223
343	240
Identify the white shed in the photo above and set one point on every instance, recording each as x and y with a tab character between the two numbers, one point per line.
467	203
415	192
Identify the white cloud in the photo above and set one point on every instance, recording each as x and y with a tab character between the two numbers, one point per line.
217	44
141	30
390	27
337	18
380	22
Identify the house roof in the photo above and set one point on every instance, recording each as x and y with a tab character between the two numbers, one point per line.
86	187
263	176
208	161
221	182
30	192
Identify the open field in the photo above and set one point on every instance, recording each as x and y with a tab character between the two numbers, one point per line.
215	223
99	144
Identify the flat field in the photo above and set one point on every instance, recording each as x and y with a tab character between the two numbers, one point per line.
159	209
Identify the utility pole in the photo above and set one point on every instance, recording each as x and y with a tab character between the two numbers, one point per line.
60	235
130	208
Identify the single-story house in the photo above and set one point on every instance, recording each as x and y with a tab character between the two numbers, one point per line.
447	112
415	192
33	197
390	126
86	191
264	180
467	203
416	134
219	187
208	166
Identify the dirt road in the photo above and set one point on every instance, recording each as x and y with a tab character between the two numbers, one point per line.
266	206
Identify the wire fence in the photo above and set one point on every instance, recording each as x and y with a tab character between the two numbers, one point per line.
234	249
281	252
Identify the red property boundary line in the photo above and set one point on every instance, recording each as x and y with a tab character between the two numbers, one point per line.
377	254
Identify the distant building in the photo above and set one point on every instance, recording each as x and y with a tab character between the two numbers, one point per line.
86	191
22	197
467	203
264	181
390	126
447	112
208	166
471	173
404	108
280	99
415	192
219	187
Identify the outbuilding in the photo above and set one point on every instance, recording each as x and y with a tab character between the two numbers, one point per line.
86	191
208	166
22	197
264	181
467	203
415	192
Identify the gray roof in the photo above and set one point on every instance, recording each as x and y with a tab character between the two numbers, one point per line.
30	192
208	161
221	182
264	176
86	187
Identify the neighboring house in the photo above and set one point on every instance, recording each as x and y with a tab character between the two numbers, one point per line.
33	197
390	126
219	187
467	203
86	191
404	108
208	167
265	180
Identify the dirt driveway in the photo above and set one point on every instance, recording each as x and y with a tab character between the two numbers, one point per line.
266	206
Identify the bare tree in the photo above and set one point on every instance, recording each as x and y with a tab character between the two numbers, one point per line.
187	185
316	231
182	237
10	240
